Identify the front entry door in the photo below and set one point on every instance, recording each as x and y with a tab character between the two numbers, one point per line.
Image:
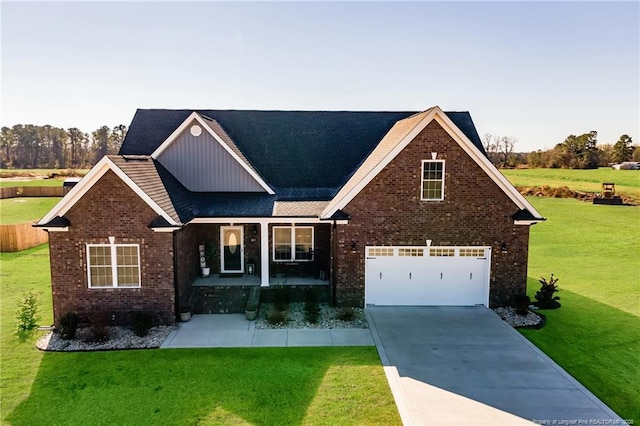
232	254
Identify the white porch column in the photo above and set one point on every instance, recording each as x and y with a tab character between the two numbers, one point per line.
264	254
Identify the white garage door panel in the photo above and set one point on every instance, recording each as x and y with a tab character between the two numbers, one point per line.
461	278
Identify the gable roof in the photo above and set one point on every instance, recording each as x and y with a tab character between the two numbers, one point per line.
288	149
400	135
139	173
219	135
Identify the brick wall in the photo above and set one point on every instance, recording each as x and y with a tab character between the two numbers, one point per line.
111	208
475	211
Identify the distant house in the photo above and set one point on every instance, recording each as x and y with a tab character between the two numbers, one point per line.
371	208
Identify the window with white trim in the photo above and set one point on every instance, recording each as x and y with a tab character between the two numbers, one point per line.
432	188
113	265
293	243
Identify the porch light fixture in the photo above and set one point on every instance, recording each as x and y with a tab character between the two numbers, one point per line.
254	229
354	247
503	248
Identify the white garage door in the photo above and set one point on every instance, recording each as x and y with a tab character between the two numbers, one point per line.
427	276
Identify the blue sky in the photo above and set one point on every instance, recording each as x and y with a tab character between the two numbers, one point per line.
538	71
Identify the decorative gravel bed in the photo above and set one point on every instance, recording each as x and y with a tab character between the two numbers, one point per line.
326	319
532	319
119	338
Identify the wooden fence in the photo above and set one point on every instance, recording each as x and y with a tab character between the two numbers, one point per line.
31	191
21	236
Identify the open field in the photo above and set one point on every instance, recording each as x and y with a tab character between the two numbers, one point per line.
5	173
31	182
595	335
330	385
25	209
627	181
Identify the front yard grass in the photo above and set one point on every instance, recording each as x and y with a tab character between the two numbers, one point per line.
332	385
595	335
25	209
627	181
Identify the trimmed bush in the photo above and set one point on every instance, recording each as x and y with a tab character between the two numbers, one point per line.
281	298
276	317
346	313
311	305
141	324
521	304
69	325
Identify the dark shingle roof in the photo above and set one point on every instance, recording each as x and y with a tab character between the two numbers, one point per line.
289	149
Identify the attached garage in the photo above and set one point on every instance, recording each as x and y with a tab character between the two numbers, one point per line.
427	276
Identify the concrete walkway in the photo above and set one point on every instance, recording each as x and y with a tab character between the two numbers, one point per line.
234	331
465	366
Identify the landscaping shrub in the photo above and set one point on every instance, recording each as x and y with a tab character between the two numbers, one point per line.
27	313
346	313
69	325
100	329
276	317
142	323
521	303
281	298
545	297
311	305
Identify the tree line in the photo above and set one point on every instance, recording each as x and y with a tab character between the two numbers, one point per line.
575	152
28	146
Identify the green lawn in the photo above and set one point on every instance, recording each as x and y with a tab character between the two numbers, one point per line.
24	209
32	182
183	386
595	335
627	181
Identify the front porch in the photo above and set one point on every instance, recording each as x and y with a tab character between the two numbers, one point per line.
247	280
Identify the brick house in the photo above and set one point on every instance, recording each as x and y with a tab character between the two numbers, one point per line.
384	208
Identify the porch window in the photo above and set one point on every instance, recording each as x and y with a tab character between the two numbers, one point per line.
293	243
432	180
113	265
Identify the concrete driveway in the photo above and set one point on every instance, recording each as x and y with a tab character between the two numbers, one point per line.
465	366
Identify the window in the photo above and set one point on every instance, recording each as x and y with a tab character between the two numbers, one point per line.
381	251
442	252
113	265
292	243
432	180
414	252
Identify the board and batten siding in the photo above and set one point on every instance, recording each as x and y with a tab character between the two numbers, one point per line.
201	164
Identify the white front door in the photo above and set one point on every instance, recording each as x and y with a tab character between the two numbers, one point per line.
232	249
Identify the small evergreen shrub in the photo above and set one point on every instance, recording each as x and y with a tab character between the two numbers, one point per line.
281	298
311	305
521	303
100	329
69	325
141	324
276	317
545	297
27	313
346	313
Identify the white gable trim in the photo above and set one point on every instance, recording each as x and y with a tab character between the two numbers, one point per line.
82	187
194	116
435	113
